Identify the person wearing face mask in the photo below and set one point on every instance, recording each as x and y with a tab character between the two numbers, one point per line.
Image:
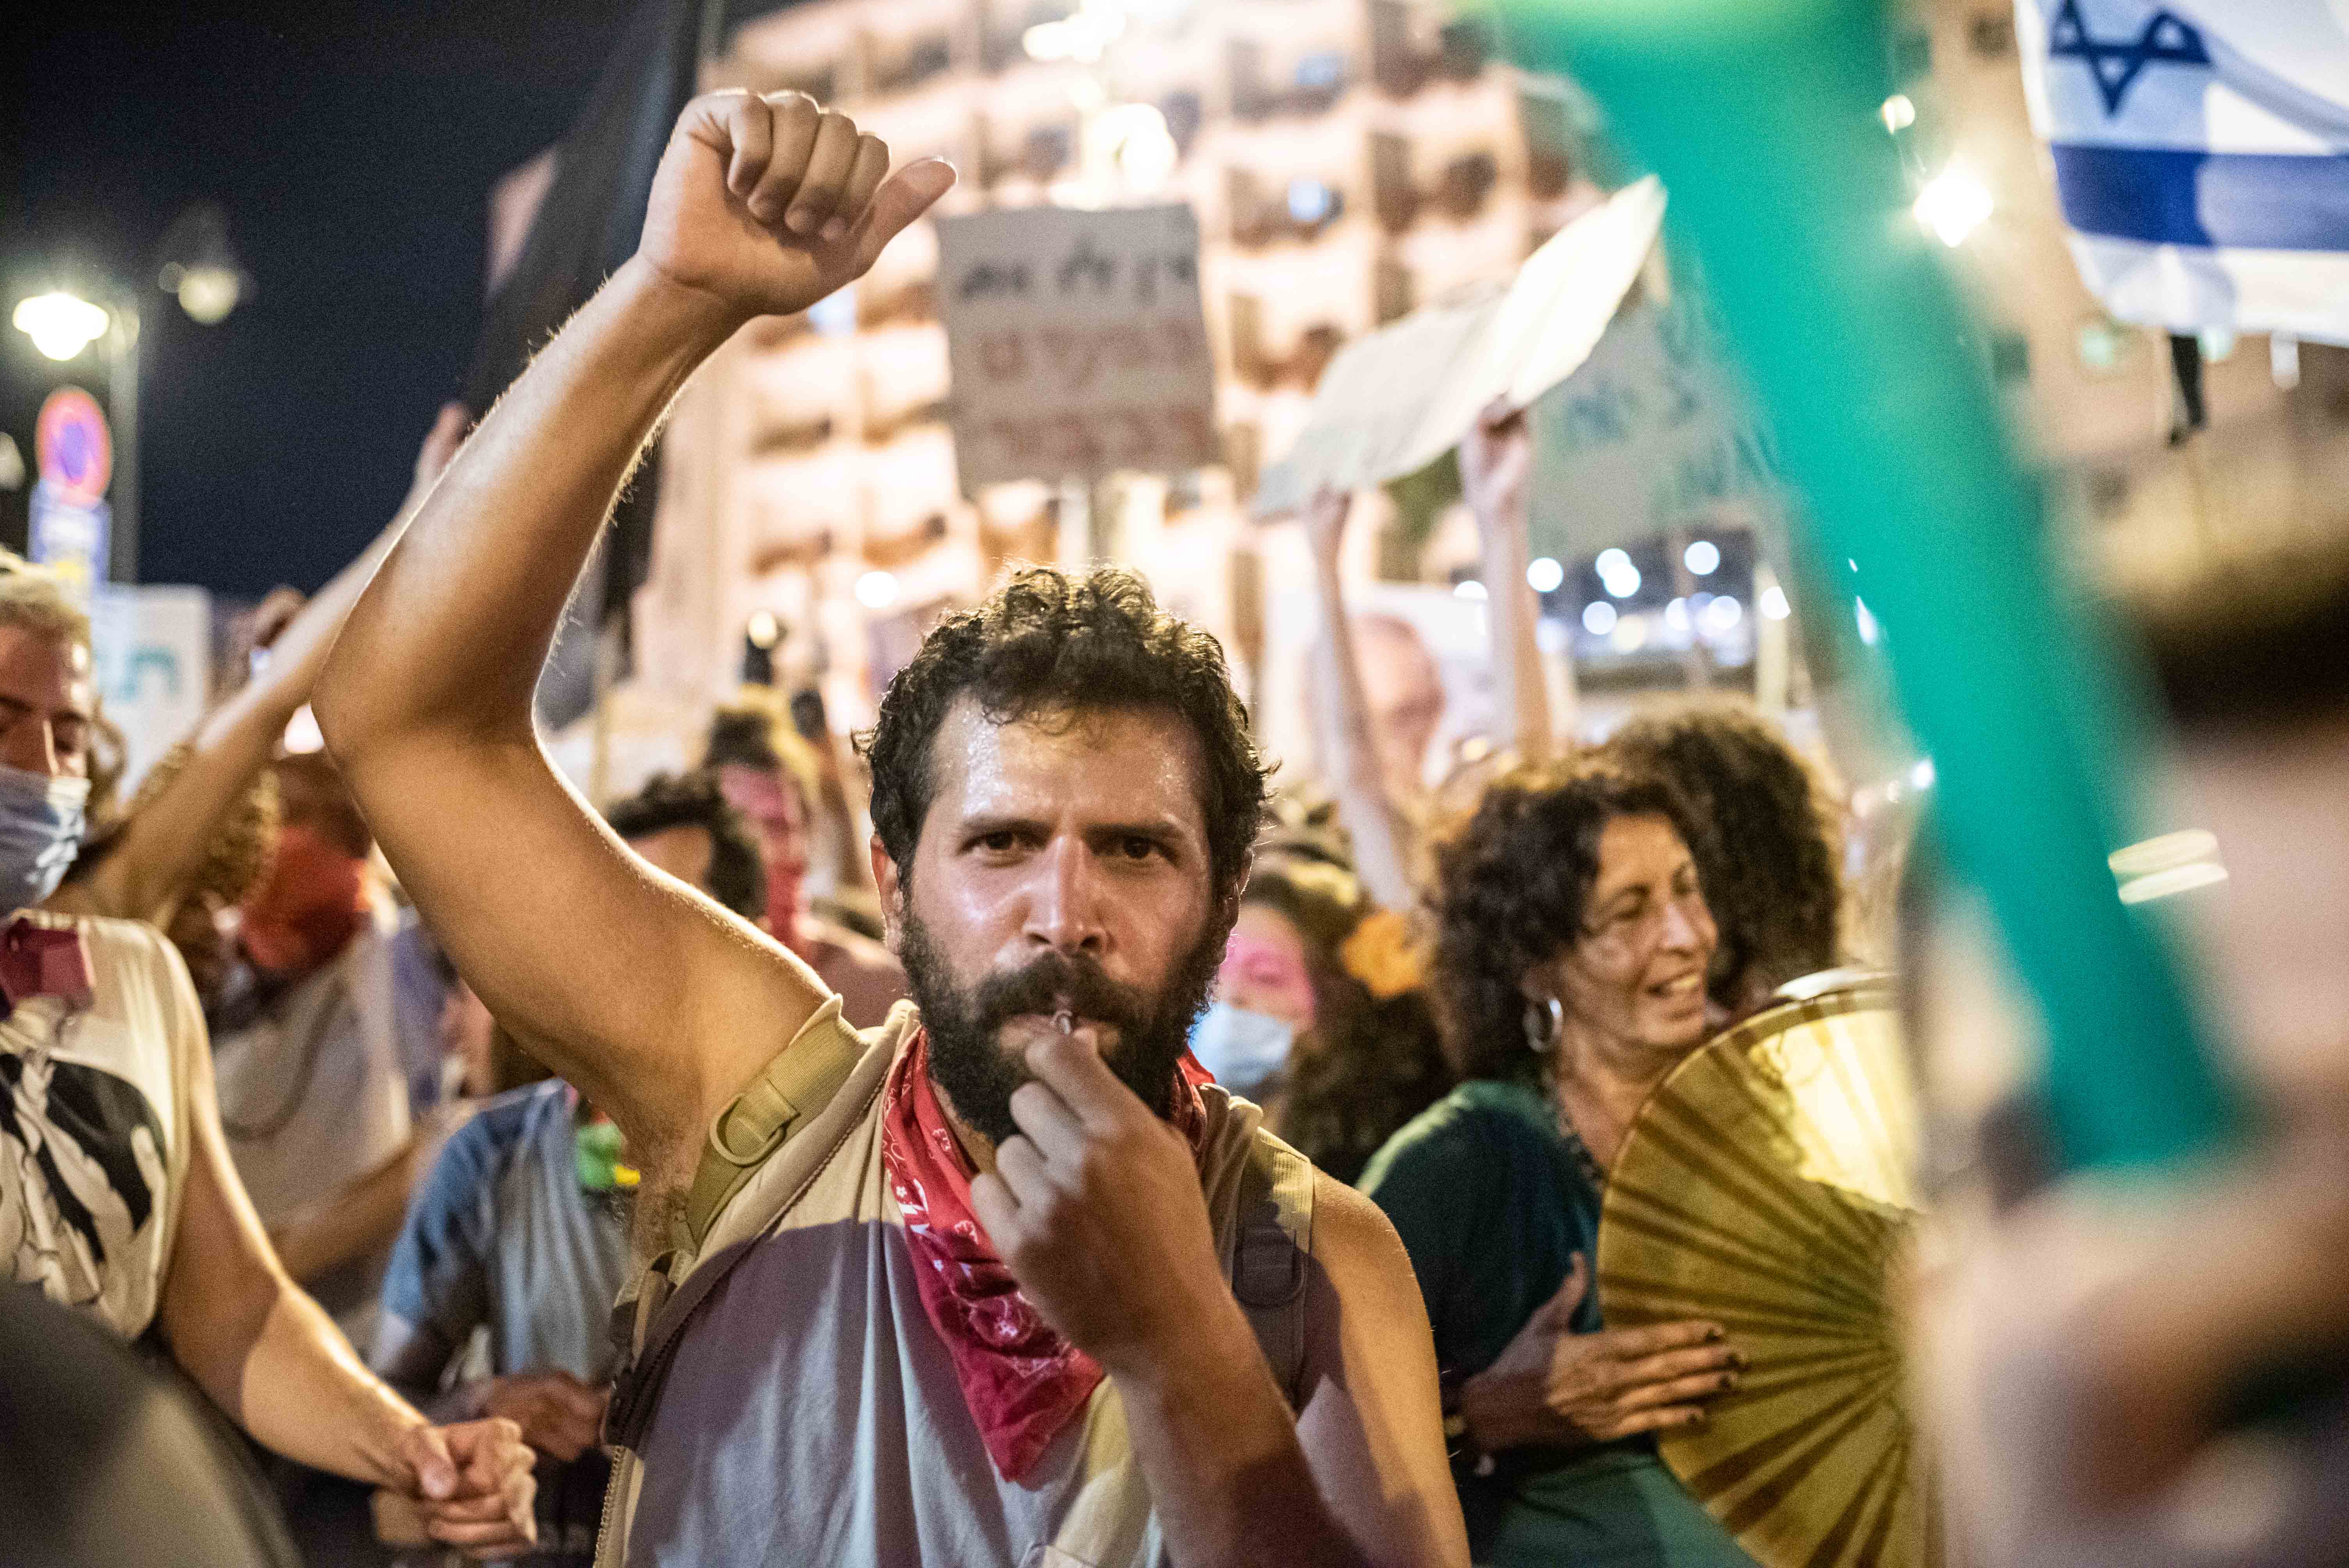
116	1196
198	835
1572	949
313	1081
1317	1016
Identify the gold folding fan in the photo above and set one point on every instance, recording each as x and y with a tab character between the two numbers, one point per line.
1769	1185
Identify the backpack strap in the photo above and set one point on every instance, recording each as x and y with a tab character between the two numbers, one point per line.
798	1082
801	1091
1272	1237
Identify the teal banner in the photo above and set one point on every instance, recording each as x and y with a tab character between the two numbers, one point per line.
1762	118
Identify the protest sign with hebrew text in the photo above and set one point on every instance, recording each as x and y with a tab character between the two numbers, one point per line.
1077	343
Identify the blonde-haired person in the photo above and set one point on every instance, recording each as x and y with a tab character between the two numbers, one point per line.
118	1196
155	857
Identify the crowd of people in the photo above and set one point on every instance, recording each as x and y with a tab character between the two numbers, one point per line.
1135	1156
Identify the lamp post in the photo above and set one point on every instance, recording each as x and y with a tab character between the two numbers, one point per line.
198	267
62	326
123	412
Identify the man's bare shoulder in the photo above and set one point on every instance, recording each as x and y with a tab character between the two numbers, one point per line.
1372	1417
1355	1242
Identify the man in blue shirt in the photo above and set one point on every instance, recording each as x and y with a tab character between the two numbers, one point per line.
522	1229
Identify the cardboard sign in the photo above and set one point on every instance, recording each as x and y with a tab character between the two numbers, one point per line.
1655	432
1077	343
1396	401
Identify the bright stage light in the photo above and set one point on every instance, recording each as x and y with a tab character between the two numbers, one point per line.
1703	557
1599	617
1774	602
877	590
1544	575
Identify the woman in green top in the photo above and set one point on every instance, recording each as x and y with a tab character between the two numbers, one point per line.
1570	968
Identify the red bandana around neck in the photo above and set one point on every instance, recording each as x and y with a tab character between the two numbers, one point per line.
1020	1380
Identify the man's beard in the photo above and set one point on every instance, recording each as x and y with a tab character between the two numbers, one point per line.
978	1075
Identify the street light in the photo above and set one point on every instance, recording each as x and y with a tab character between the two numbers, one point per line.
200	268
60	325
1953	204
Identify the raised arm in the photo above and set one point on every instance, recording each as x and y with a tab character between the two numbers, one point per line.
655	1002
1495	462
147	871
1383	848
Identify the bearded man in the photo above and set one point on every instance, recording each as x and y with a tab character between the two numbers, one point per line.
1000	1282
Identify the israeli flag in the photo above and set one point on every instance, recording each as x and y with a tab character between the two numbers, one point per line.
2201	155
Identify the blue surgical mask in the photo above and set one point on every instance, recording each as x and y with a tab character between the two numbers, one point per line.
1245	1050
40	833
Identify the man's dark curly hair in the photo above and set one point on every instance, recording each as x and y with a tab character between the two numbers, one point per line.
1764	845
1510	891
1050	641
738	873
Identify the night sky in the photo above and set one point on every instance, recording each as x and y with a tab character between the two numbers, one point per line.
353	146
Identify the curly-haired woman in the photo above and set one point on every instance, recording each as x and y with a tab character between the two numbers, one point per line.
1572	949
1763	841
1319	1017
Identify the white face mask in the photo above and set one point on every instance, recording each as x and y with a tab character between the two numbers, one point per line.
1244	1050
40	833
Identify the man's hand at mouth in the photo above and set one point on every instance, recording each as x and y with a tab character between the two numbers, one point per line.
1096	1209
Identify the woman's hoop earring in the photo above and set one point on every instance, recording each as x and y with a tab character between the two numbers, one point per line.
1543	1026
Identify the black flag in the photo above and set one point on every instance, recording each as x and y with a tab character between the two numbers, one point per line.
585	227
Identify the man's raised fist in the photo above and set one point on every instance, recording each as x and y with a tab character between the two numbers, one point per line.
769	203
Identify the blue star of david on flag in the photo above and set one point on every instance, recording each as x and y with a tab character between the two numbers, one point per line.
2220	198
2117	65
